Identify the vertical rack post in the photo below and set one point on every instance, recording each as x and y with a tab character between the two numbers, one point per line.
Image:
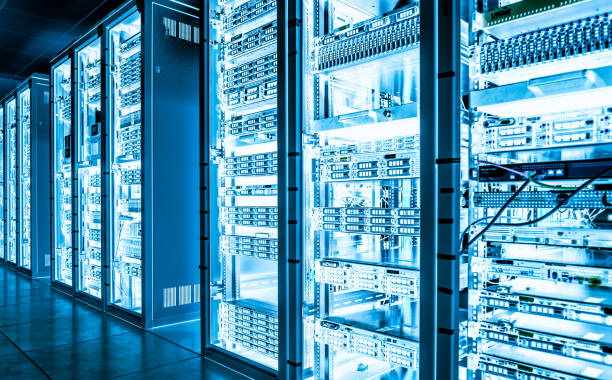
447	192
428	187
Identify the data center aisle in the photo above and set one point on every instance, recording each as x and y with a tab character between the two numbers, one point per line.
45	334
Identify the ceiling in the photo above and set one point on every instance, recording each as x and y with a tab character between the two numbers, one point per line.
32	32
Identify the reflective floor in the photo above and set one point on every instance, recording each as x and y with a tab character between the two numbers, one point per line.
45	334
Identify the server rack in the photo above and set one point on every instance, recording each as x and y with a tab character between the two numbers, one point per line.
62	167
267	59
540	166
10	106
135	165
241	258
27	176
2	202
369	133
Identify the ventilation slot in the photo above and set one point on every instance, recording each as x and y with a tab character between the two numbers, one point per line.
196	293
170	26
169	297
184	294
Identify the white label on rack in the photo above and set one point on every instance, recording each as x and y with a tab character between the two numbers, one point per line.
592	336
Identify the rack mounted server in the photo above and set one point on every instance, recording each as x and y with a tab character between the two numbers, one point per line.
540	303
25	227
123	125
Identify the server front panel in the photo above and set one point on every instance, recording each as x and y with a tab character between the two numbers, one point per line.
540	237
89	161
11	180
61	79
25	178
125	163
244	249
361	184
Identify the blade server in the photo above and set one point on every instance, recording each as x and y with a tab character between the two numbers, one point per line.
25	151
538	241
243	181
362	189
123	126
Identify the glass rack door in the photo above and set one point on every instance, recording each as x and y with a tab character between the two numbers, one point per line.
243	126
62	171
89	144
11	189
25	168
2	182
361	189
539	239
125	163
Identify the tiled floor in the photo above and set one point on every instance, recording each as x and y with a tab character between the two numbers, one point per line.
45	334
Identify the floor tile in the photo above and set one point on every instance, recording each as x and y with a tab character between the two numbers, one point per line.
198	368
19	367
37	311
7	348
186	334
109	356
35	335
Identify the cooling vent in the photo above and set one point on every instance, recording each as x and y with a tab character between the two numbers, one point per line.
181	30
169	297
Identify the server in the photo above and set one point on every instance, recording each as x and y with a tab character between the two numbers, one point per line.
10	107
362	242
125	123
539	242
242	259
62	169
26	124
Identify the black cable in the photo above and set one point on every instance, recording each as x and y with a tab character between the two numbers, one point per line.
497	215
561	204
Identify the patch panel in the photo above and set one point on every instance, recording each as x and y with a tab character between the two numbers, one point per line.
394	350
265	248
545	199
348	275
372	38
554	170
255	328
